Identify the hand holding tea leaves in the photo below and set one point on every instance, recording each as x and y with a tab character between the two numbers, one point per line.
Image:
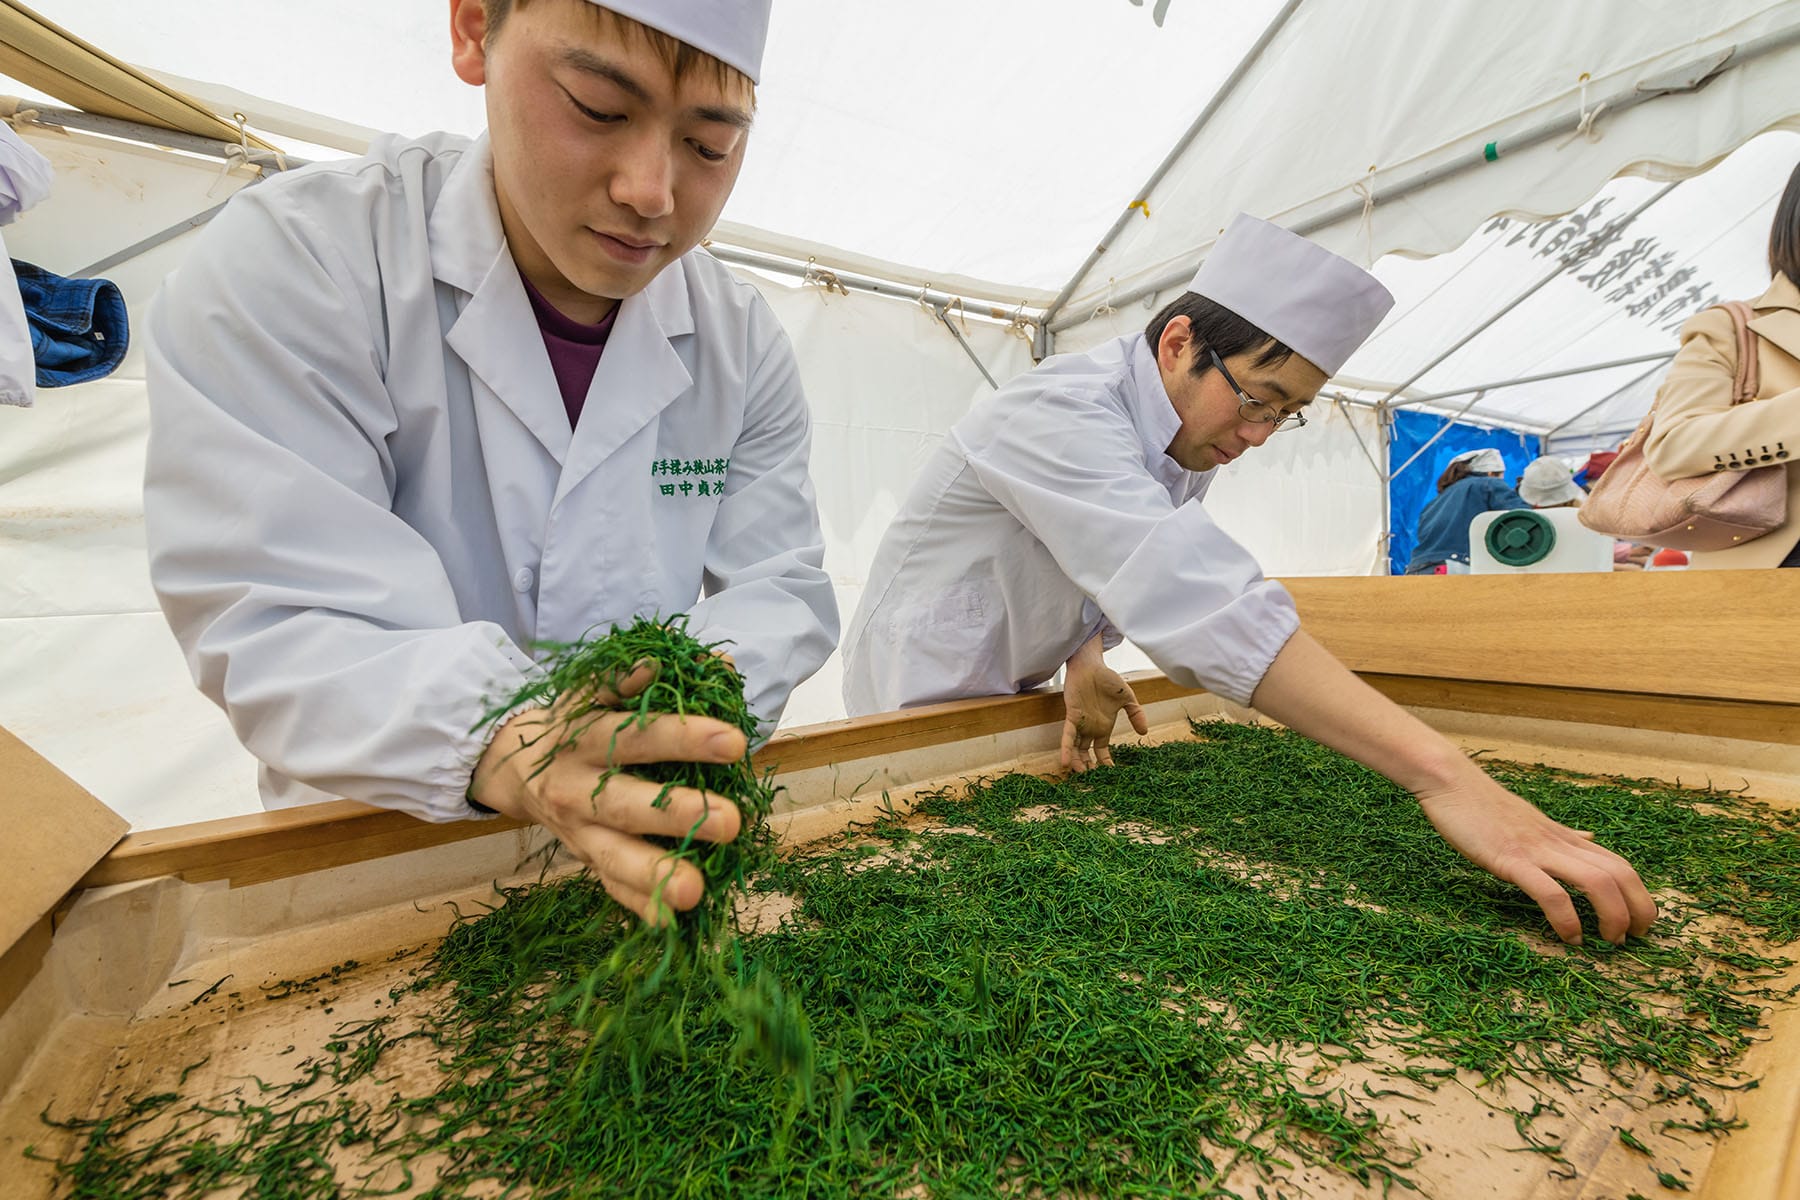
566	767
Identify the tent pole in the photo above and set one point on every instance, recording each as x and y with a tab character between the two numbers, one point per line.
1577	257
155	135
1344	408
150	243
1612	395
1384	420
852	281
1638	93
943	314
1657	358
1432	440
1141	203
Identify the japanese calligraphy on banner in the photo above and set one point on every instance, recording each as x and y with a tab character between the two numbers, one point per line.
1638	274
691	476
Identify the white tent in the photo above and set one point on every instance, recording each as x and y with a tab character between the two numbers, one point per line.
925	152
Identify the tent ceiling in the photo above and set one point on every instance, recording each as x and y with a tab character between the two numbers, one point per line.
1706	240
998	142
1444	100
991	140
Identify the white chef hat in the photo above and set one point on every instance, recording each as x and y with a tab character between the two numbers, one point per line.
1481	462
1321	306
732	31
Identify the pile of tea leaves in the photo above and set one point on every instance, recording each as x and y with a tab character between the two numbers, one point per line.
1139	981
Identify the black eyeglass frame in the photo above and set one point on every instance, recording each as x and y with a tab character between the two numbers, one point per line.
1292	420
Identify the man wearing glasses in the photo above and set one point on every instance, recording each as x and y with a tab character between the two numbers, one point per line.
1063	513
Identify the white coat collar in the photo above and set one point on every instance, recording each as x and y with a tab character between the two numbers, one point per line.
496	334
1152	411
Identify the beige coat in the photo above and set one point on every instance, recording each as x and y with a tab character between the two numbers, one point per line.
1698	431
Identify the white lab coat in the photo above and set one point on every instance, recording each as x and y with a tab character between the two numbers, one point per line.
364	500
1052	512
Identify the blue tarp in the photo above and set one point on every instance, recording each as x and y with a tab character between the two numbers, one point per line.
1410	492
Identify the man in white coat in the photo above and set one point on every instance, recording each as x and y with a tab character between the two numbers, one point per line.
413	412
1064	512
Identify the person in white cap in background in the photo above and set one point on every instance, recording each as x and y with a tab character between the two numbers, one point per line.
1064	512
413	412
1470	485
1547	482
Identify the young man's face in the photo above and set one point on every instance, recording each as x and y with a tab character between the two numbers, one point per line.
605	168
1212	433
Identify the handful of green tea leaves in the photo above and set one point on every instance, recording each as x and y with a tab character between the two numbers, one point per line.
631	997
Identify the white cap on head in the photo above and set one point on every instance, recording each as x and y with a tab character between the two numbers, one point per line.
732	31
1319	305
1485	461
1481	462
1548	482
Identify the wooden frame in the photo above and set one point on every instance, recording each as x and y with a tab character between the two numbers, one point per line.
1687	652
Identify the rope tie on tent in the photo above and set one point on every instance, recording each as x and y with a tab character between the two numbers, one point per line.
1364	187
1585	127
962	317
823	278
242	155
1106	305
1019	327
14	112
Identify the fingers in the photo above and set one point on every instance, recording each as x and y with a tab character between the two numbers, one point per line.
1595	882
652	911
1134	712
642	877
1068	745
628	804
1638	901
609	692
1622	905
1549	896
622	739
1616	879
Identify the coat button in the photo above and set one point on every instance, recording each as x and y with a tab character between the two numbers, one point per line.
523	578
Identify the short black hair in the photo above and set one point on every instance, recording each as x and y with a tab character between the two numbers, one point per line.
1217	328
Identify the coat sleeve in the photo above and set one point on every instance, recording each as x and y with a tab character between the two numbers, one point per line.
766	590
1165	576
323	624
1697	428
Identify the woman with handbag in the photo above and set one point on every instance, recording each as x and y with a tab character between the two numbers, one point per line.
1701	428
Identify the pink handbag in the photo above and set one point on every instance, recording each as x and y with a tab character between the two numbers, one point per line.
1709	512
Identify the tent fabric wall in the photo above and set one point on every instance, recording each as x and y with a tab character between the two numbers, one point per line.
885	381
1412	489
1409	109
89	673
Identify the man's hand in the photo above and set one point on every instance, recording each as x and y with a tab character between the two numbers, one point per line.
1511	838
1311	692
601	813
1093	694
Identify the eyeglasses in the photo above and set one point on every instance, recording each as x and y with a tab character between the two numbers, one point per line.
1255	411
